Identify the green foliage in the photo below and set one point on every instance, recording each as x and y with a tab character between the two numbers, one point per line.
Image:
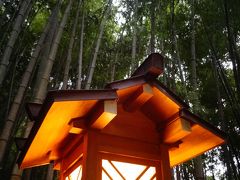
39	21
210	28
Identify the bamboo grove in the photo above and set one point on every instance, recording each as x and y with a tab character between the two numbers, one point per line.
77	44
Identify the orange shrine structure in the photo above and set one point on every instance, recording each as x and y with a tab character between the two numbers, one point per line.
135	128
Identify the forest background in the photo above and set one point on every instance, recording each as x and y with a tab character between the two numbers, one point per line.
77	44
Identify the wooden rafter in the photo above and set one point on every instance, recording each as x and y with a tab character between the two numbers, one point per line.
176	130
78	125
104	114
33	110
20	142
143	94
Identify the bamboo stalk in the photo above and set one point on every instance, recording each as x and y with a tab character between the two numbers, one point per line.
101	29
13	38
70	48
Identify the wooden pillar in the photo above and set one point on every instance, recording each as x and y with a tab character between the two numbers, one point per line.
164	170
50	171
91	160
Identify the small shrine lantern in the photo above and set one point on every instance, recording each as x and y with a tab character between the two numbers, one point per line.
133	129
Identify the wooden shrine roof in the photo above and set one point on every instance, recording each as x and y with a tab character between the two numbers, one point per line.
125	108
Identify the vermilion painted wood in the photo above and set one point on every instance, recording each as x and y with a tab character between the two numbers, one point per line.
176	130
91	162
145	125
